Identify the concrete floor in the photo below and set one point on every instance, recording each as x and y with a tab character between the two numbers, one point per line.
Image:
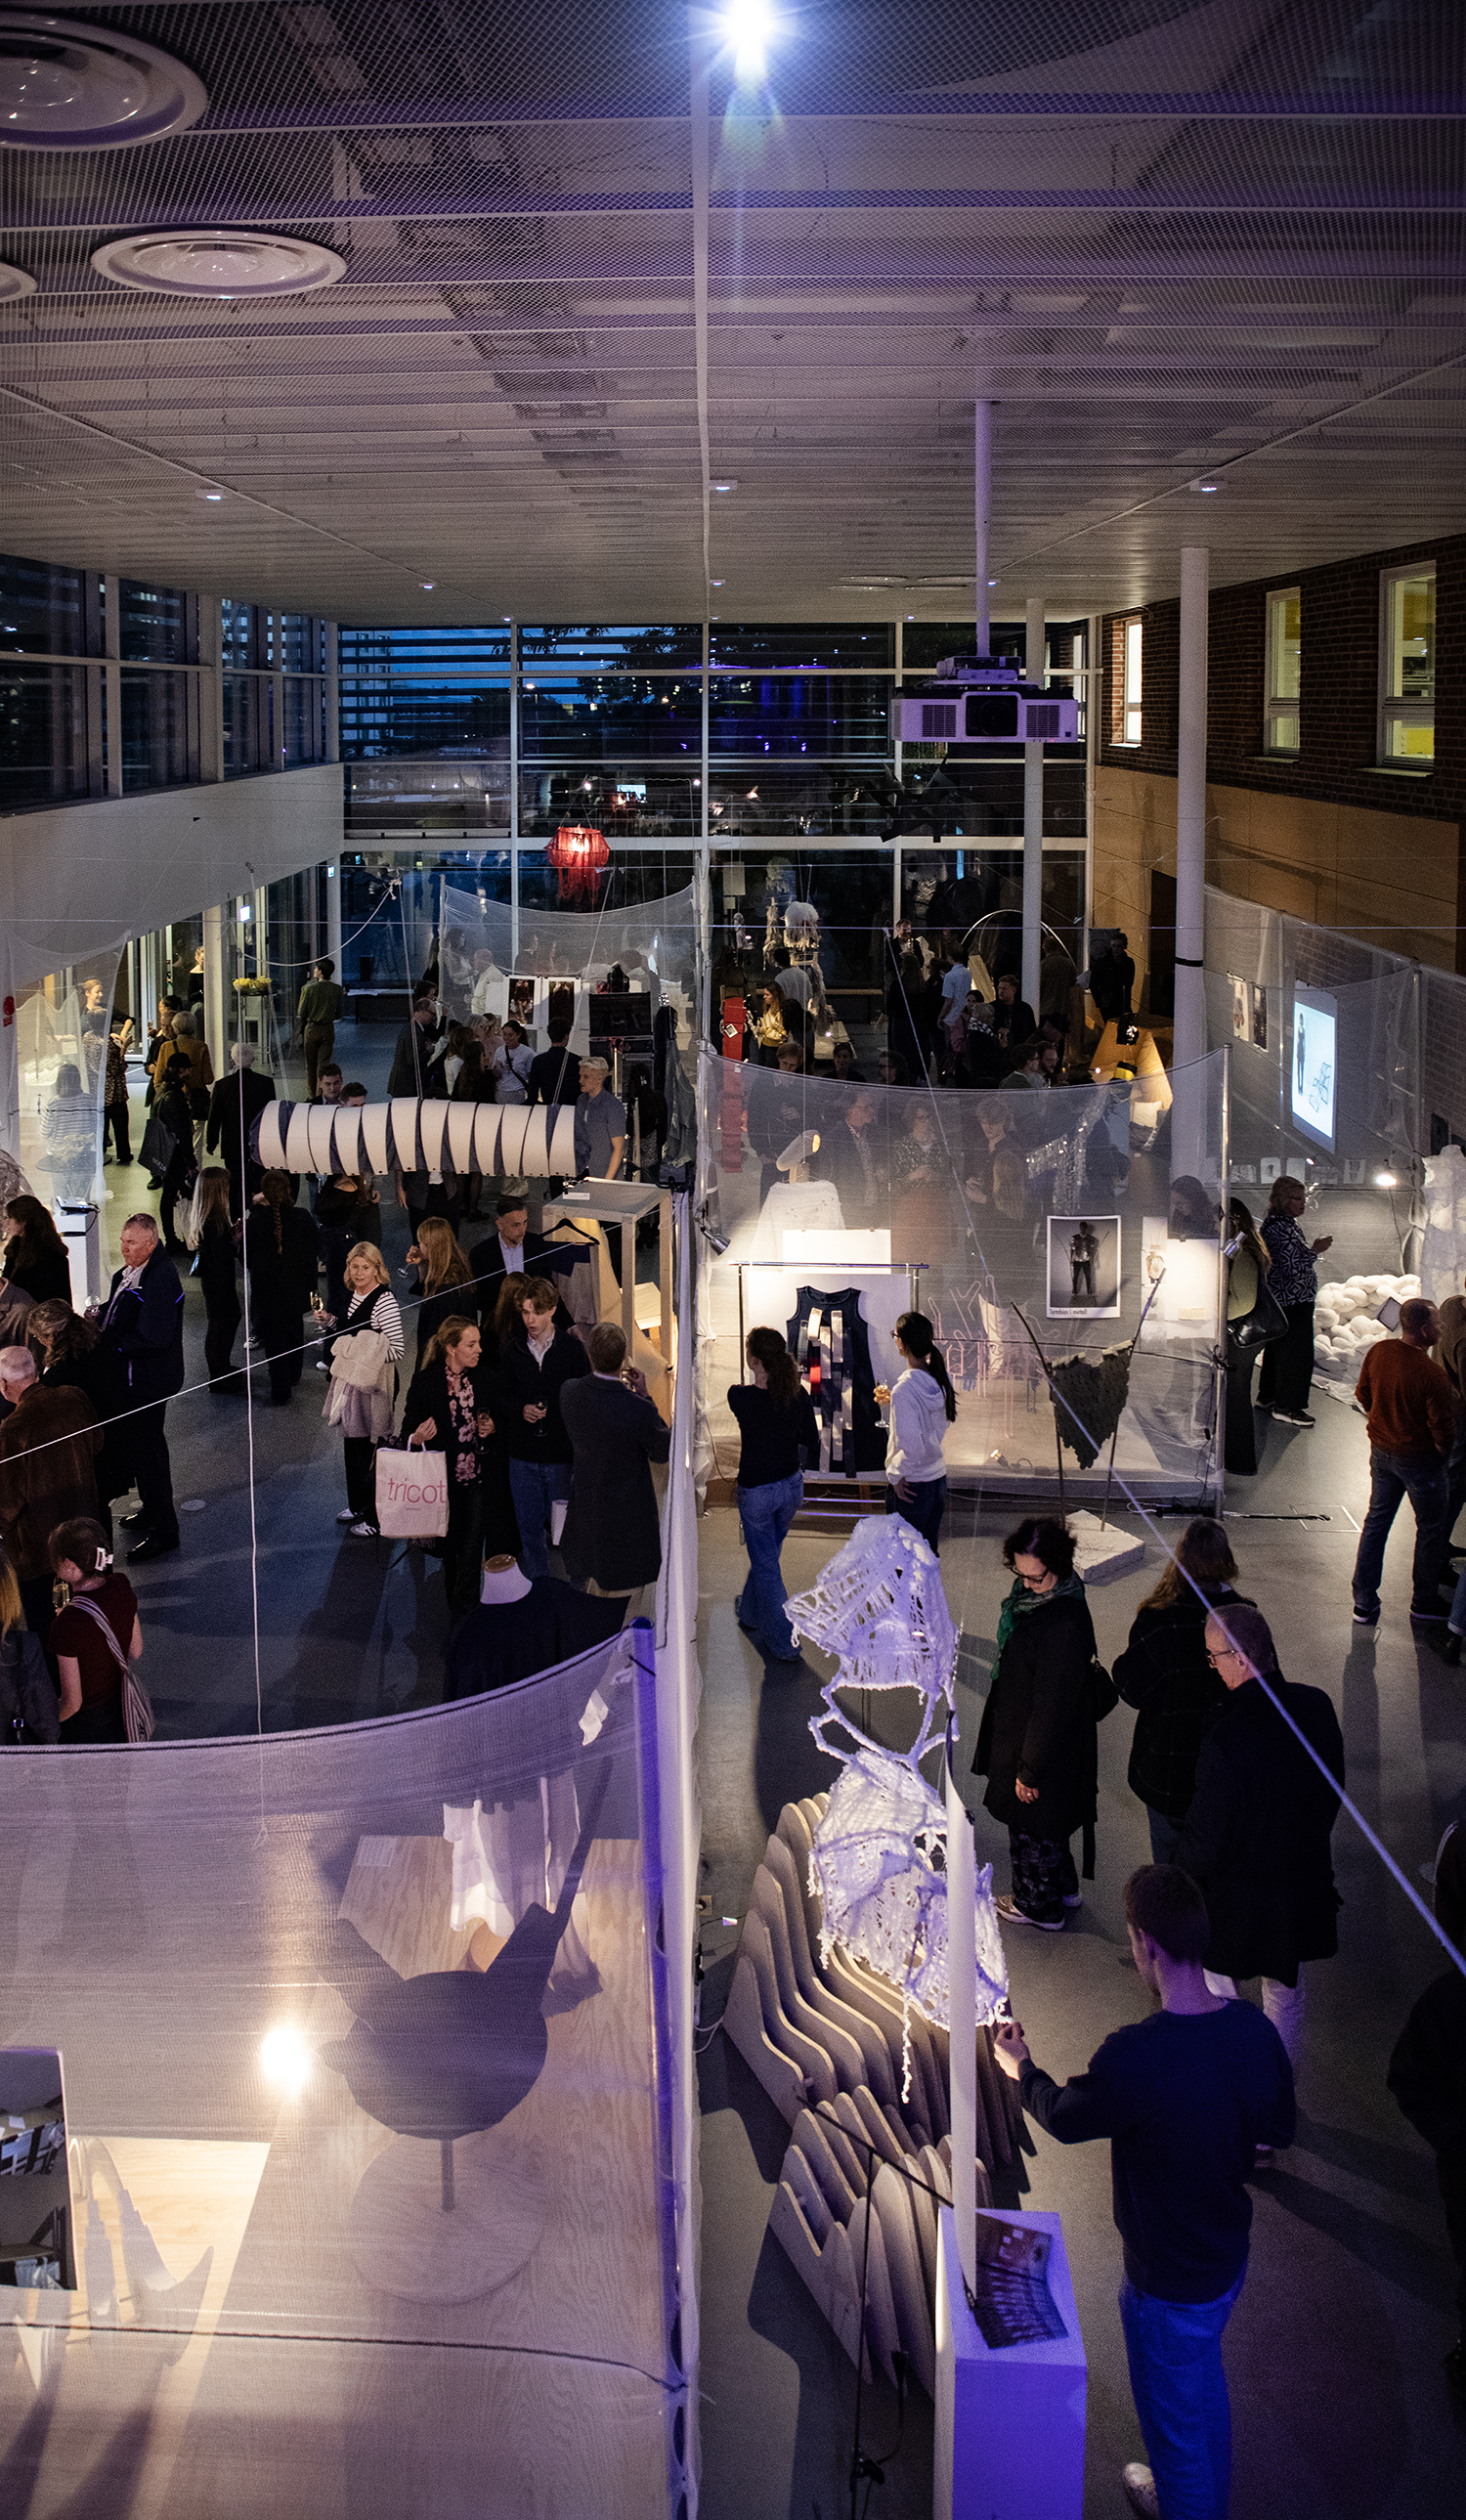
1340	2406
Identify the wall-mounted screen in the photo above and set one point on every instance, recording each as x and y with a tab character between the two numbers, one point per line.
1313	1064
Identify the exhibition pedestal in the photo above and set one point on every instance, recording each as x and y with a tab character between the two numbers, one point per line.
1011	2420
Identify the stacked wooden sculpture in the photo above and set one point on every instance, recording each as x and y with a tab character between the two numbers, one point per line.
509	1138
838	1999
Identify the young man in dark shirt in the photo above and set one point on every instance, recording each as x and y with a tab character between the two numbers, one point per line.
554	1076
1185	2097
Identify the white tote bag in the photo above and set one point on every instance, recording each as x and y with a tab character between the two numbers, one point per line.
411	1495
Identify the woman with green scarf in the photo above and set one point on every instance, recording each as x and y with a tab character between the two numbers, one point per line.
1038	1746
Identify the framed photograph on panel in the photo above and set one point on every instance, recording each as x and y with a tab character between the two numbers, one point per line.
1259	1016
1241	1008
1083	1268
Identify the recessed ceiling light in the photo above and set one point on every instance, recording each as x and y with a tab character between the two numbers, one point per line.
718	581
70	86
218	263
213	496
725	485
1205	488
13	283
426	584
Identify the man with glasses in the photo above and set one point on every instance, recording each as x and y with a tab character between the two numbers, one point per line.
1255	1838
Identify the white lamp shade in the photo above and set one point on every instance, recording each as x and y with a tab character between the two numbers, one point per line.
461	1119
297	1139
345	1142
374	1117
402	1114
271	1143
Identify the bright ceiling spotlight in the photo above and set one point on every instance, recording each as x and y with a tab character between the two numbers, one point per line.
1385	1181
427	584
749	25
213	496
725	485
286	2058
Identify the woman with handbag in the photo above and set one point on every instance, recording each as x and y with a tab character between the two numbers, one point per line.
280	1254
363	1357
28	1710
1038	1745
1165	1674
1254	1321
95	1637
448	1407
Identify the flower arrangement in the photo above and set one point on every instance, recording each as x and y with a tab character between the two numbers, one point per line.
253	988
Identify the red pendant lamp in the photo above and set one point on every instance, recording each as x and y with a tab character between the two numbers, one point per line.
577	852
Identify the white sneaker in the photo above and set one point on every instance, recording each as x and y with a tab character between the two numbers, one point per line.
365	1531
1140	2490
348	1514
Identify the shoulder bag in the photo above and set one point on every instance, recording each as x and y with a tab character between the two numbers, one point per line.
138	1719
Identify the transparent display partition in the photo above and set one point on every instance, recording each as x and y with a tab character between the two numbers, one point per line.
1038	1226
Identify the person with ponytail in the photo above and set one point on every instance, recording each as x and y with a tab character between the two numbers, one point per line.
87	1643
924	1405
778	1438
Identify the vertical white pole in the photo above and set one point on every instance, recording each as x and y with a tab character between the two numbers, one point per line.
982	484
1191	812
962	1984
1033	818
334	916
215	991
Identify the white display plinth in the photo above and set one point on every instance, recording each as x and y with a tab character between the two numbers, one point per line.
78	1228
1101	1551
1011	2420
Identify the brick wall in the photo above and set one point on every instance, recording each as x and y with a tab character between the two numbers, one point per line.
1338	725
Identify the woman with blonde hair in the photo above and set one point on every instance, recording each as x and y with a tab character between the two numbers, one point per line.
1164	1673
448	1407
29	1710
215	1270
445	1279
363	1379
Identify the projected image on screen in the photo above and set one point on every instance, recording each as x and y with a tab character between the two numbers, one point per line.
1313	1068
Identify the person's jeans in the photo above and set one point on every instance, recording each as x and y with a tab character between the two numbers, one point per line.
151	1473
766	1514
1164	1836
1282	2004
1043	1875
923	1508
1391	1478
1180	2389
535	1487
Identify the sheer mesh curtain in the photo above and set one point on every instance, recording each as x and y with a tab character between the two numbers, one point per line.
62	1026
981	1194
389	2185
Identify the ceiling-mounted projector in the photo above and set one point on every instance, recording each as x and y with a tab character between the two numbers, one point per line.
982	699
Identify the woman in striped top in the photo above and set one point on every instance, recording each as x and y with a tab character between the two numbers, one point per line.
363	1410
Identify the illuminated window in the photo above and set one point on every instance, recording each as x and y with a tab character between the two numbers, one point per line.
1125	712
1281	705
1407	666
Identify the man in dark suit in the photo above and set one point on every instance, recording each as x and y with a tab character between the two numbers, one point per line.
846	1156
612	1530
510	1251
143	1324
414	1071
554	1076
234	1107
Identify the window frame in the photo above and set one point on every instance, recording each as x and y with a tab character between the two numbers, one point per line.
1393	708
1127	713
1278	704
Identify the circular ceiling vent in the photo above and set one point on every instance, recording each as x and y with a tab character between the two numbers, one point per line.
70	86
218	263
13	283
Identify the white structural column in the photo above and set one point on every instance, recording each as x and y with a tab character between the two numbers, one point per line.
961	1999
1033	818
982	488
1191	812
216	987
333	917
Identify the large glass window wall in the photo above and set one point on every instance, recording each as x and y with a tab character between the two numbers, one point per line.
109	686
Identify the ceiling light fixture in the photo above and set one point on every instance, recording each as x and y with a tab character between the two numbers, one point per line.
725	485
427	584
1206	489
749	24
285	2060
1384	1180
64	85
13	283
218	263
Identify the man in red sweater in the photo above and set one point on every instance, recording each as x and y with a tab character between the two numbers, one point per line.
1410	1411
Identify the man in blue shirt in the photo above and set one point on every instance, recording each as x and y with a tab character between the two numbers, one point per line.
1185	2097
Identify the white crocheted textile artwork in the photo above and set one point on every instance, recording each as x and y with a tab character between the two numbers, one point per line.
880	1850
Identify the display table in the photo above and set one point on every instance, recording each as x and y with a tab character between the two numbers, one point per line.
623	1203
1011	2420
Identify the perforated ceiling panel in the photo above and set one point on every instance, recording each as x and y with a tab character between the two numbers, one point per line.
1174	244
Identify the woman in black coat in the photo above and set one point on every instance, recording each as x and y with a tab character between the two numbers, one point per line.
172	1112
533	1366
1036	1747
1164	1674
35	1256
448	1409
215	1268
280	1254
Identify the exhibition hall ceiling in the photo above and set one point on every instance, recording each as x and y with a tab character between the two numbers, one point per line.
554	275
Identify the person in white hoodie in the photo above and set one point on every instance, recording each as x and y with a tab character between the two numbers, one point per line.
924	1405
